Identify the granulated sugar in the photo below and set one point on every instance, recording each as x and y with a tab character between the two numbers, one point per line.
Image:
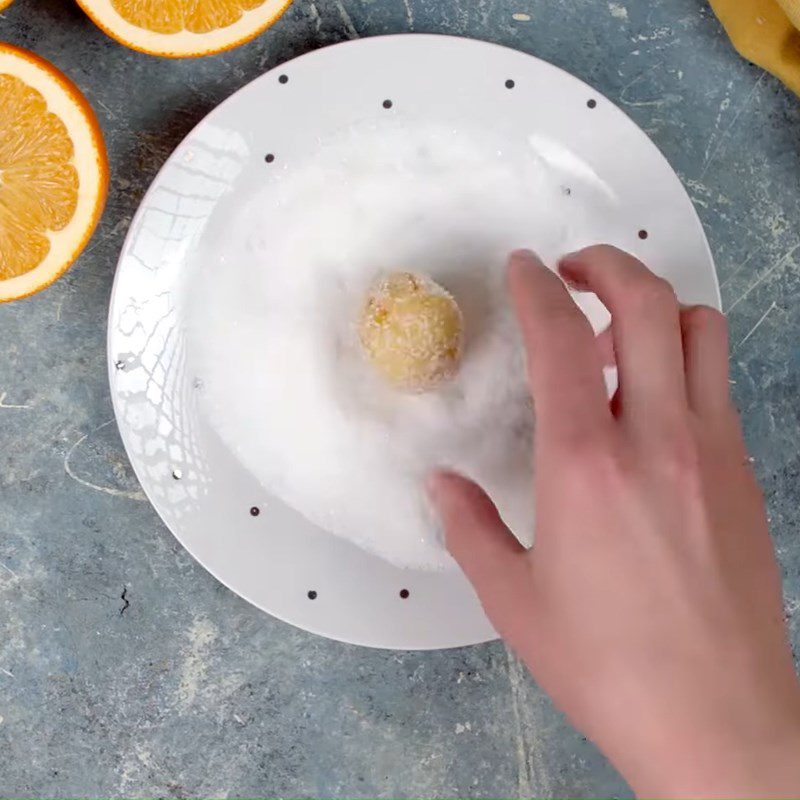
274	328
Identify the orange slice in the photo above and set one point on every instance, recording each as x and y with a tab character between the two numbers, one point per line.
183	28
53	173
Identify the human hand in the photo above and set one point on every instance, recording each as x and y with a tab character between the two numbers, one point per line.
650	606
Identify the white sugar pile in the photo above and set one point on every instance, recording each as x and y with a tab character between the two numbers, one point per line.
273	329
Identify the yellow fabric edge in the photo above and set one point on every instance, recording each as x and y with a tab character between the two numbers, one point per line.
764	33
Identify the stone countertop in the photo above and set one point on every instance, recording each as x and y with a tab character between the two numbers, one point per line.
126	669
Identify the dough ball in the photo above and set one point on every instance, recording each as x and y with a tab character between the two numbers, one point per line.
412	331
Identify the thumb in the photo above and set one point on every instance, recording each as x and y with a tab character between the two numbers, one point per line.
490	555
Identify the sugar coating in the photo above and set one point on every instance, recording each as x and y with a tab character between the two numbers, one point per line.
274	334
412	331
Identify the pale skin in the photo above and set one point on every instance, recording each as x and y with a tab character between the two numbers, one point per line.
650	605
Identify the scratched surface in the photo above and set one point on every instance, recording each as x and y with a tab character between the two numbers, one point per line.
125	669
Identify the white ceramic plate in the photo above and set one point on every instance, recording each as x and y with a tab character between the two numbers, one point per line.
254	544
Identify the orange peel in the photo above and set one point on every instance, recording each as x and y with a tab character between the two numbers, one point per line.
183	28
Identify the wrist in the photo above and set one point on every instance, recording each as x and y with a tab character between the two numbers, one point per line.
763	769
755	756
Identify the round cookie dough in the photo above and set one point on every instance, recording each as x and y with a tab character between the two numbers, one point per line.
411	330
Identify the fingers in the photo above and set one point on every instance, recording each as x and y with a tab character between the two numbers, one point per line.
705	353
646	329
490	555
604	341
474	533
564	366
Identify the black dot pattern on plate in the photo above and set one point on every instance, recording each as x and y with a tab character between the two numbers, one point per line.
591	103
119	364
404	594
283	79
387	103
269	158
643	234
510	84
312	595
177	474
255	511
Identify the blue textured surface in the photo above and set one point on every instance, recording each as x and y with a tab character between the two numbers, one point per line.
179	688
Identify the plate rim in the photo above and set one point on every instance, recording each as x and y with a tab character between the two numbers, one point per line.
147	196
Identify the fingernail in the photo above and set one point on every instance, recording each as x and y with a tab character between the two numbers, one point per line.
525	255
436	481
565	265
565	262
573	283
432	485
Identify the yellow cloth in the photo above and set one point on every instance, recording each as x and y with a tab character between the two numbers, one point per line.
766	32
